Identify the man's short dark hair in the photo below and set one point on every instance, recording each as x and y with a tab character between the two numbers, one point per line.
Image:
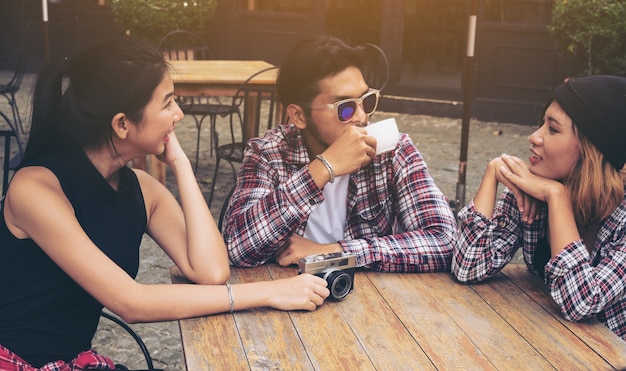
310	61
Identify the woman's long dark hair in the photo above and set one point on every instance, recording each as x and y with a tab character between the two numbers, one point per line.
112	77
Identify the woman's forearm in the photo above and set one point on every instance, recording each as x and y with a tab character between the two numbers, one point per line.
485	199
205	246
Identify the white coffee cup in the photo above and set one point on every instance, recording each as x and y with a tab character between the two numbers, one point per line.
386	134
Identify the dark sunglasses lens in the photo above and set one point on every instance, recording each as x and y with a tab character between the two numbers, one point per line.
346	110
369	103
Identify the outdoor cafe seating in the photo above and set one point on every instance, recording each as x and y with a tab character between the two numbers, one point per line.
262	106
186	45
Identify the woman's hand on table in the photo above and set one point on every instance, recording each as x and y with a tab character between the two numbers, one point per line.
304	292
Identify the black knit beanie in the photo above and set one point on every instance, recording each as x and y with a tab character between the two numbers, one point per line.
597	106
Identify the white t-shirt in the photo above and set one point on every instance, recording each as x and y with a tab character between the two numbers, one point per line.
327	221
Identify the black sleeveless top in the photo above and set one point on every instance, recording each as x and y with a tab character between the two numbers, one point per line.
44	315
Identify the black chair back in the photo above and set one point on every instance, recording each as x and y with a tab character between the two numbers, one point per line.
11	157
184	45
376	68
259	104
138	340
12	69
256	104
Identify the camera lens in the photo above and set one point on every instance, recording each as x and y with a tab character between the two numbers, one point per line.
339	284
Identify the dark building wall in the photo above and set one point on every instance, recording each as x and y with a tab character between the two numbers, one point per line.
71	28
516	63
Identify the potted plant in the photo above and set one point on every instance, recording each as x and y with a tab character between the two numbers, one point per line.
152	19
593	30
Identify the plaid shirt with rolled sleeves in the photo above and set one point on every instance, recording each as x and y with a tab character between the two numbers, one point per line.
397	218
583	285
87	360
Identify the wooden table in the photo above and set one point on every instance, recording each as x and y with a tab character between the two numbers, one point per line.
216	77
210	78
404	321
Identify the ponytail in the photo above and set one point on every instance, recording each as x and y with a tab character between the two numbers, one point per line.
117	76
47	134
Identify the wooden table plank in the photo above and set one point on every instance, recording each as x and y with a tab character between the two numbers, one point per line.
198	335
496	339
268	336
386	341
415	299
542	330
326	335
218	72
603	341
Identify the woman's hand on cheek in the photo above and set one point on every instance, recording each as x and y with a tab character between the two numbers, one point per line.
526	203
173	150
517	173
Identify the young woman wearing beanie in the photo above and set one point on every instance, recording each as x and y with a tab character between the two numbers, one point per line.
565	208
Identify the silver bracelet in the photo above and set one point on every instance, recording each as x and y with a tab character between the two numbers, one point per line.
328	167
230	297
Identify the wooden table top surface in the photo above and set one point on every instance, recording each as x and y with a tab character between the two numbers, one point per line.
232	72
404	321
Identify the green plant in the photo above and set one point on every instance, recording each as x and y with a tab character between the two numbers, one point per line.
594	30
152	19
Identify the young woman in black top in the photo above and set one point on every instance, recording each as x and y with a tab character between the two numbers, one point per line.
74	214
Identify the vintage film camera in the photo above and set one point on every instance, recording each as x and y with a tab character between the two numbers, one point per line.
336	268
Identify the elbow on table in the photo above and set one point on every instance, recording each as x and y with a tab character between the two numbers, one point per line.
214	277
576	314
463	275
244	260
463	278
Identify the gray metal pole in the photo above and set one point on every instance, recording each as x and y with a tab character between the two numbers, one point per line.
46	36
468	88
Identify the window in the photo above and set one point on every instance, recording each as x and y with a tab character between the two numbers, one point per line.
532	12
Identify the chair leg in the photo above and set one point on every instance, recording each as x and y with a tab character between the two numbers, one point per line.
217	168
134	335
232	167
17	117
7	154
213	121
17	120
198	127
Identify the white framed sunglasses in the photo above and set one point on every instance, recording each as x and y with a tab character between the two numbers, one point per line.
346	108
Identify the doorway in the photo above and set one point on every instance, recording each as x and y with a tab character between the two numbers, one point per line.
433	44
354	21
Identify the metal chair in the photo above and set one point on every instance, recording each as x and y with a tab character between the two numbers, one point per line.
186	45
376	68
258	101
220	222
10	159
13	65
137	338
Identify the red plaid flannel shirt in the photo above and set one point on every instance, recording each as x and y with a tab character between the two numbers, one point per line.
397	218
87	360
584	285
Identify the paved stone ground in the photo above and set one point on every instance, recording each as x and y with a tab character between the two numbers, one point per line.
437	138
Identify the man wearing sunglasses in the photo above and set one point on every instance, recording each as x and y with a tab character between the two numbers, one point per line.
315	185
